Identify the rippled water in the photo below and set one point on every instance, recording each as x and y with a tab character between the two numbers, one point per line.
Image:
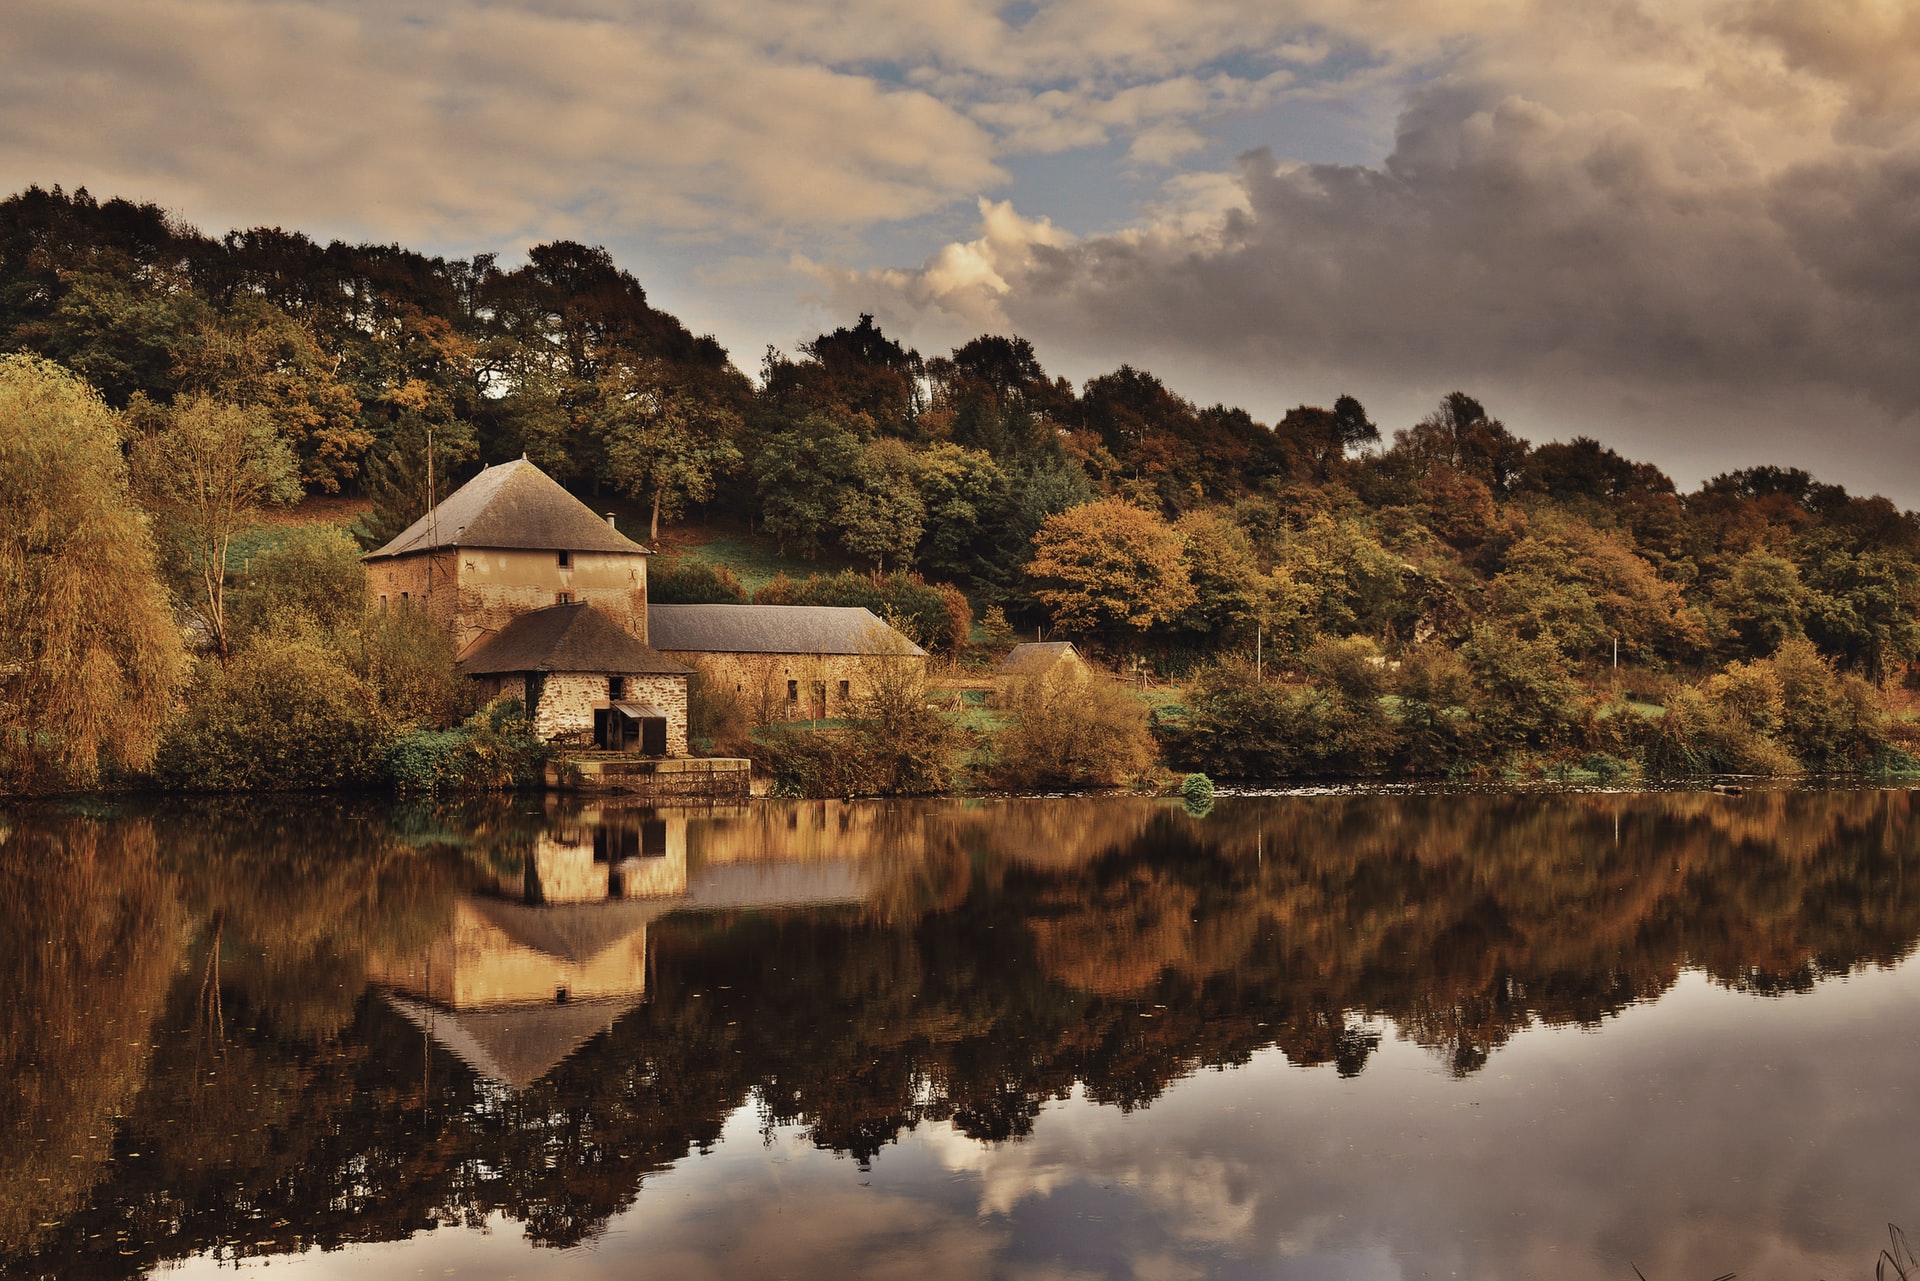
1337	1036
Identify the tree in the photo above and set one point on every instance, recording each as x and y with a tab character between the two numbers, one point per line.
663	444
1110	565
209	466
803	476
883	515
88	649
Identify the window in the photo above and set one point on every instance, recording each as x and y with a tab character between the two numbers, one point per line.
563	598
845	692
793	691
383	601
403	598
616	688
566	559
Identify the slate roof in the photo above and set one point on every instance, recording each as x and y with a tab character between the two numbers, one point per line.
773	629
512	505
1035	657
515	1045
566	638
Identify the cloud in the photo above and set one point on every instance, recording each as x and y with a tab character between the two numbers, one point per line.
1603	205
474	123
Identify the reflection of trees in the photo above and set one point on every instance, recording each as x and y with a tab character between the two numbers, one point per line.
89	939
1006	953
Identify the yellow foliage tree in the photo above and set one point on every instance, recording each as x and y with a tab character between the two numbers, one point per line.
89	653
1110	565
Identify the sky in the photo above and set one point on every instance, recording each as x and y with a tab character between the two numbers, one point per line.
1689	228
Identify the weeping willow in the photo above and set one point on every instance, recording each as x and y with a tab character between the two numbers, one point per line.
89	652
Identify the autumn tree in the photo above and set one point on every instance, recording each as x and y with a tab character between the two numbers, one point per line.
209	467
88	649
1108	566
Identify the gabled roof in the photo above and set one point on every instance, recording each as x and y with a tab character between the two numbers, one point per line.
1034	657
515	1045
512	505
566	638
773	629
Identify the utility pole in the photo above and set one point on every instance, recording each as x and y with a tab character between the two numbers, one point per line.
1259	657
433	517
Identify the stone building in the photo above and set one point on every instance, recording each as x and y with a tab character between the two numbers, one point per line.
1041	660
791	661
545	601
586	681
506	543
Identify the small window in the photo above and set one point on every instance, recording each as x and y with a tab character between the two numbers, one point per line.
563	598
383	601
566	560
793	691
845	692
403	598
616	688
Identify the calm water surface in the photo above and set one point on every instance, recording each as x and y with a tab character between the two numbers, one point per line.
1345	1036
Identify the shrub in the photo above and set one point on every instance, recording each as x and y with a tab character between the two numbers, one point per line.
1524	695
284	713
930	614
494	750
718	716
1070	729
678	581
314	578
407	660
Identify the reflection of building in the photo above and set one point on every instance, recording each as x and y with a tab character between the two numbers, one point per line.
523	978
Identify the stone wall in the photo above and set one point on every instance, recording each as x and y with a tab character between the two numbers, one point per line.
782	687
568	701
423	582
669	694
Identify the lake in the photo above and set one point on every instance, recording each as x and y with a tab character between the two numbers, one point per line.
1348	1035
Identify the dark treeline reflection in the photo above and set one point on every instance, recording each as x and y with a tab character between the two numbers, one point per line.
253	1028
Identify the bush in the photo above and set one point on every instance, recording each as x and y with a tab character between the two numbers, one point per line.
284	713
1071	729
313	579
719	717
935	615
896	746
675	580
407	660
494	750
1523	695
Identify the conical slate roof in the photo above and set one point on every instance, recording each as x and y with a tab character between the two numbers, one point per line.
512	505
566	638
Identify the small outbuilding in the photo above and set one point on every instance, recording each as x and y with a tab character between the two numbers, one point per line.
1041	660
586	681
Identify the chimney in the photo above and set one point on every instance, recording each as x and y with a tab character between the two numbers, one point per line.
610	524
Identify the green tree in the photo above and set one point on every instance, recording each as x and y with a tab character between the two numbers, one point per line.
208	467
1110	566
883	516
89	653
662	443
803	477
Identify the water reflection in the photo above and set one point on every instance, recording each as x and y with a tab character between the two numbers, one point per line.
247	1029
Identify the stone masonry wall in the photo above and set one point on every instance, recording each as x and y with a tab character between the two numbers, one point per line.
497	586
568	701
762	680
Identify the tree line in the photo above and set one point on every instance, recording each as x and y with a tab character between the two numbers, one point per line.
244	370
